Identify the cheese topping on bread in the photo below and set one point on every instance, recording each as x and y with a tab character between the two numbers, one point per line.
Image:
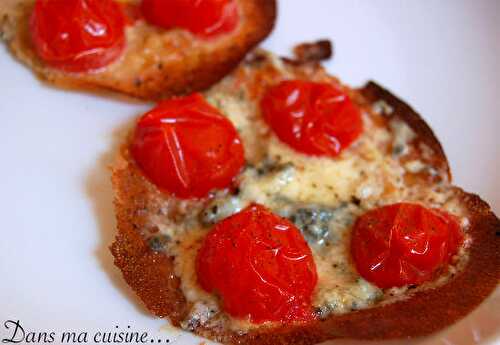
322	196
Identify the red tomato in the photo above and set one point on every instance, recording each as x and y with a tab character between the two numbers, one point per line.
260	265
403	244
186	147
132	12
313	118
78	35
201	17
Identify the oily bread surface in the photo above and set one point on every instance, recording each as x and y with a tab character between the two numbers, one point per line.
151	274
156	63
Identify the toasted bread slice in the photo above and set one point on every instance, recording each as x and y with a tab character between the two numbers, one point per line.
154	248
156	63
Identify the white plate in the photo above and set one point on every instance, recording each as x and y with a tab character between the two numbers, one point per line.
56	203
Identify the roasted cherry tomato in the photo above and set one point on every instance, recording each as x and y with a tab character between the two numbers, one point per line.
313	118
201	17
78	35
260	265
403	244
186	147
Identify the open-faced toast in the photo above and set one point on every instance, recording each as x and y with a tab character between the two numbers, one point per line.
397	158
156	62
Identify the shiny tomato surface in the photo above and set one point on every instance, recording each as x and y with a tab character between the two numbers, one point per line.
78	35
187	148
403	244
313	118
206	18
260	265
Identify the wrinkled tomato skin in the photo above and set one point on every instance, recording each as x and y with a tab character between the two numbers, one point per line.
313	118
187	148
78	35
260	265
204	18
402	244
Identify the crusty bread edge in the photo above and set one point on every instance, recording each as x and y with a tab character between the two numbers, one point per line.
373	92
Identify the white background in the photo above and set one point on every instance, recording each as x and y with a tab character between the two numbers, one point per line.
55	197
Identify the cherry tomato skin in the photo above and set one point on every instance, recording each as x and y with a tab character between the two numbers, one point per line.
78	35
187	148
205	18
402	244
260	265
313	118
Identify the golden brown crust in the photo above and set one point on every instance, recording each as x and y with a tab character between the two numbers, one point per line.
312	52
375	93
151	275
156	63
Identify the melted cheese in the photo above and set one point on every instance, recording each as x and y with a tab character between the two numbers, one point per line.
323	196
